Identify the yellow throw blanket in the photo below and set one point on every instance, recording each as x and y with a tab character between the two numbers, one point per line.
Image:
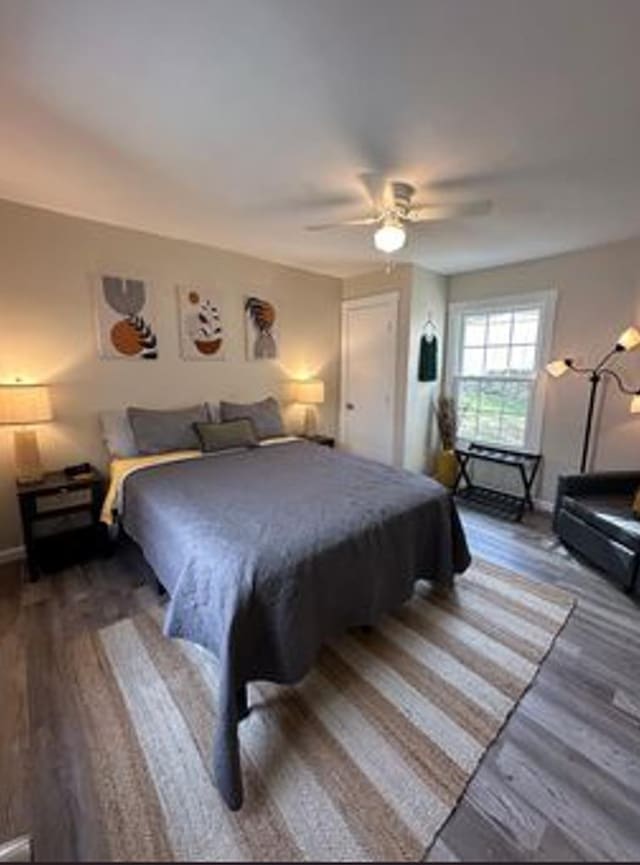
122	468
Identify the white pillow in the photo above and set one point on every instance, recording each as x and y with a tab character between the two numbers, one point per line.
117	434
214	411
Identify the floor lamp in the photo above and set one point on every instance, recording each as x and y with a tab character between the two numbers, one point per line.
627	341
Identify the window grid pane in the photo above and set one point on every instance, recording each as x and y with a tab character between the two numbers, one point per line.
493	410
475	330
500	343
500	327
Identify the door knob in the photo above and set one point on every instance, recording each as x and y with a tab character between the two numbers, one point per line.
350	406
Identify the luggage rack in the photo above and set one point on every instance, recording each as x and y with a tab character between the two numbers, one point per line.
497	502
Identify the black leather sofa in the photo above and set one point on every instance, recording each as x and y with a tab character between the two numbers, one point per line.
593	516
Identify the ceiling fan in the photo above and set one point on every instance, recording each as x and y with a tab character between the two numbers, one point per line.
392	210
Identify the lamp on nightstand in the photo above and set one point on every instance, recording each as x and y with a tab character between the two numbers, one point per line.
22	405
309	393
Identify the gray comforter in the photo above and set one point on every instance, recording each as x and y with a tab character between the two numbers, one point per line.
269	552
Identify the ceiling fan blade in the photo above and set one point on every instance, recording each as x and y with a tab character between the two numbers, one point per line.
376	186
365	220
433	212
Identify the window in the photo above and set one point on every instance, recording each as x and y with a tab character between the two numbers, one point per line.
498	350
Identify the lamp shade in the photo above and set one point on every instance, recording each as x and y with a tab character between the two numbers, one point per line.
309	392
629	339
557	368
635	404
24	404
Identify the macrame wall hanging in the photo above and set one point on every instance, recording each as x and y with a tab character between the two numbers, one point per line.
428	355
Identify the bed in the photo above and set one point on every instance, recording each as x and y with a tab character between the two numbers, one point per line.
268	552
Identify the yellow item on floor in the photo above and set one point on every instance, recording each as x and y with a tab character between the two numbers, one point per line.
122	468
446	468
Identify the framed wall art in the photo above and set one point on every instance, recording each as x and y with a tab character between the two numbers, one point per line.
261	328
125	318
200	320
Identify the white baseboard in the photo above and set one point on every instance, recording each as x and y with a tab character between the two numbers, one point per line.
543	505
11	554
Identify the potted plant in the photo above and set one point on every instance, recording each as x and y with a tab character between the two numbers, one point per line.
446	463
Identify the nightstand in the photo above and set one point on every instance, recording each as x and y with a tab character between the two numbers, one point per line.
327	441
61	520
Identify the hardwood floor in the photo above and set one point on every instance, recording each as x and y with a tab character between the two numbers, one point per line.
561	782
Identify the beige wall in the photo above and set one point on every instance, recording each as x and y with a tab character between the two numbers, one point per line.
47	331
420	291
598	297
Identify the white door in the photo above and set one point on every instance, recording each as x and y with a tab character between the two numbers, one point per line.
368	376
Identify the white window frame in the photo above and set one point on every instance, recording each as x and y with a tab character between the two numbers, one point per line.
546	301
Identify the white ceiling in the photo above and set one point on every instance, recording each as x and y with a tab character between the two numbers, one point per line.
236	123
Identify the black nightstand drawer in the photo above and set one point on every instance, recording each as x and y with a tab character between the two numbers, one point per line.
45	527
65	498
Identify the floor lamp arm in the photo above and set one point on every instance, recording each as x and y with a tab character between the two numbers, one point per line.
621	385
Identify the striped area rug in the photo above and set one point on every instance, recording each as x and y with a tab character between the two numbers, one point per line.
364	760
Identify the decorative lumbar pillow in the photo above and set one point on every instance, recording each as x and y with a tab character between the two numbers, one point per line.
264	415
117	434
157	431
223	436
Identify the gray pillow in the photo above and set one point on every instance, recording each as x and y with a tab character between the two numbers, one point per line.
117	434
264	415
222	436
156	431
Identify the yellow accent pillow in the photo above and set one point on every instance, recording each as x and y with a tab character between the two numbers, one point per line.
636	504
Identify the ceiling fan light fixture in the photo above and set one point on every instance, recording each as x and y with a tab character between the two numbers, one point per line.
390	237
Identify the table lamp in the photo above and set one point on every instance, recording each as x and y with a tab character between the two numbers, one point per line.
22	405
310	393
